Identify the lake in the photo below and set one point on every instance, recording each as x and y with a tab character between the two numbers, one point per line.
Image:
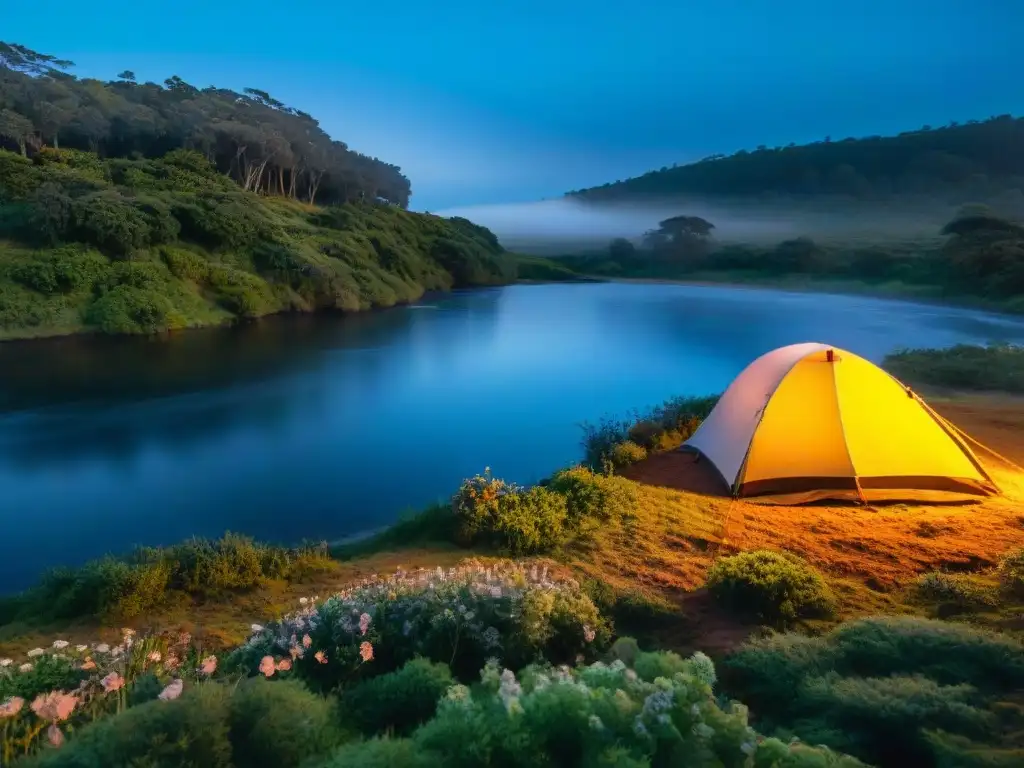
322	427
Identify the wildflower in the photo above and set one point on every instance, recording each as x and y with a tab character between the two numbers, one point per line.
6	662
25	668
11	707
172	691
284	665
366	651
209	665
589	634
267	666
256	628
320	656
88	664
54	706
303	600
112	682
102	648
307	641
364	623
35	652
128	632
54	735
184	638
172	662
81	648
296	652
60	645
154	656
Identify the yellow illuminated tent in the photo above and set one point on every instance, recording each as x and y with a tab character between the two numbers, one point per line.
808	422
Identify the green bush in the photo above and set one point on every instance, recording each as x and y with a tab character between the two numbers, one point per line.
61	271
1011	572
242	293
128	310
190	731
280	723
593	499
109	221
774	587
184	264
48	673
626	453
965	366
955	591
880	688
379	753
398	701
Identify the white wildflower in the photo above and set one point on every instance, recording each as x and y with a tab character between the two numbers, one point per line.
303	600
102	648
35	652
60	645
81	648
6	662
25	668
256	628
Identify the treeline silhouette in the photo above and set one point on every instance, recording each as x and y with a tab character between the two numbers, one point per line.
980	161
261	143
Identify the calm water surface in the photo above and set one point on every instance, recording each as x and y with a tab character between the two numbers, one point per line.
322	427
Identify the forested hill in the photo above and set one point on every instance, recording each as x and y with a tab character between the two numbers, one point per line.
980	161
129	208
263	144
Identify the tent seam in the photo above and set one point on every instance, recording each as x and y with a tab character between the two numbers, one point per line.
842	431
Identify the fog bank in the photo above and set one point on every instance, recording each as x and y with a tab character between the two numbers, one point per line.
550	225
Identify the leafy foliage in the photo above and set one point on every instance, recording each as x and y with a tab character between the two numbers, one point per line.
776	587
398	701
893	691
964	366
1011	572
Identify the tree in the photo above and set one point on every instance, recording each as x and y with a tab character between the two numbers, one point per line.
621	249
127	76
16	128
680	228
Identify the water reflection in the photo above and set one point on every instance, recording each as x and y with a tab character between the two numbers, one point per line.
318	427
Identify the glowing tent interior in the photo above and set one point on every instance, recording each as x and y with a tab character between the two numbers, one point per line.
809	422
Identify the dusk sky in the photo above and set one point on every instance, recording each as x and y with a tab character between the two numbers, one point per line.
484	103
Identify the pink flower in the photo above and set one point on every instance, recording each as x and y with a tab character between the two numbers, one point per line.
172	691
284	665
267	666
320	656
209	665
11	707
112	682
366	651
296	652
364	623
54	706
589	634
54	735
172	662
307	641
154	656
88	664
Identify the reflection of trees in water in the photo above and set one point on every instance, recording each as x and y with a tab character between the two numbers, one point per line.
110	398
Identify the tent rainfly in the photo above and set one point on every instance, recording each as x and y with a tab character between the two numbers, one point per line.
809	422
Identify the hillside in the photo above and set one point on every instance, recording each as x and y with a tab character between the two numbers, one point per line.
981	161
130	208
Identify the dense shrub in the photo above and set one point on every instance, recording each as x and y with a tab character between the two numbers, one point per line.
592	499
62	270
184	264
128	310
955	591
965	366
192	730
879	688
280	723
774	587
397	701
242	293
460	617
109	221
1011	572
663	428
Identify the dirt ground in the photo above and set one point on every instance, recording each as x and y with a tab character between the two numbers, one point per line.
885	545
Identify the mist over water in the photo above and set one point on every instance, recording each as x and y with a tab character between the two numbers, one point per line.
549	225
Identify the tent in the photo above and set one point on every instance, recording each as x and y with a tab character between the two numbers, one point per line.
809	421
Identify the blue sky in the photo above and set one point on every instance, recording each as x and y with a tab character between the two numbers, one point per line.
484	103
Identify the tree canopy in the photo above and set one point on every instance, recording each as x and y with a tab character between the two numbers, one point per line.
978	161
263	144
